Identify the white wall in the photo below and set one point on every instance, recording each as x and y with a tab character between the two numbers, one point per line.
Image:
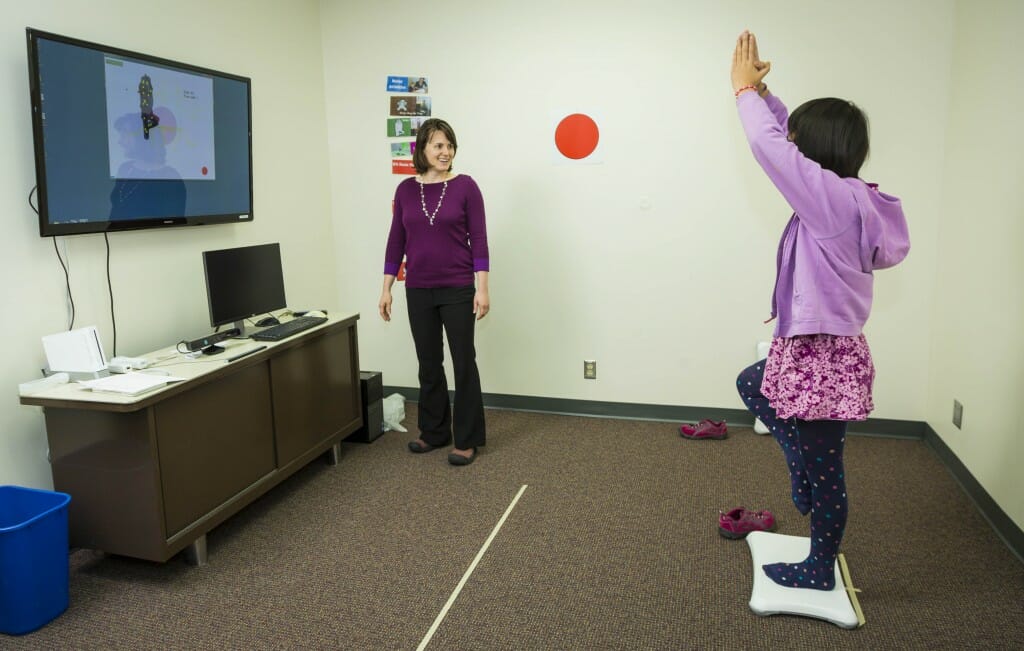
159	292
977	353
669	300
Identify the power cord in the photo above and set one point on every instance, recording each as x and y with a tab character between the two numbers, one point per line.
67	283
67	276
110	290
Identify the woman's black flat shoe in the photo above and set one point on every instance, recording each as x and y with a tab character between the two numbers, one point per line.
459	460
420	448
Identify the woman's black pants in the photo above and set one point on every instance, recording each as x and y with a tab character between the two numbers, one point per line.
448	310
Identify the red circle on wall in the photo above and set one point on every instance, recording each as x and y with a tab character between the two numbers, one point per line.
576	136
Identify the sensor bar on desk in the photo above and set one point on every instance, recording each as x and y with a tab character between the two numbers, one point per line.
246	353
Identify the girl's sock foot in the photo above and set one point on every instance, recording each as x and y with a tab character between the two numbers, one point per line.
801	575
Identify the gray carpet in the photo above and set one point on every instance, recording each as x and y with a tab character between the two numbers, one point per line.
613	545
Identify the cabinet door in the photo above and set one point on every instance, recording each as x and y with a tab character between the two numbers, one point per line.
316	393
214	441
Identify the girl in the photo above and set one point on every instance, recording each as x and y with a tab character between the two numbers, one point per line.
818	373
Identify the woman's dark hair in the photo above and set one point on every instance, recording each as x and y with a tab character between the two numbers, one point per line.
423	136
831	132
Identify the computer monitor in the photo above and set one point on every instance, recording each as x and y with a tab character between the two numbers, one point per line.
243	282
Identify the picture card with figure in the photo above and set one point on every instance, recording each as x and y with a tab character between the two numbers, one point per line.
409	105
411	84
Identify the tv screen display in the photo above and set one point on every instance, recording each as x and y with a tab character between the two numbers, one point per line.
125	141
243	282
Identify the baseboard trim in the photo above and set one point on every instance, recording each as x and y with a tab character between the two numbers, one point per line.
644	411
1005	528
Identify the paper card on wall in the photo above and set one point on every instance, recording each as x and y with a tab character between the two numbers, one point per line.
398	84
400	127
404	127
401	149
409	105
408	84
419	85
402	166
75	351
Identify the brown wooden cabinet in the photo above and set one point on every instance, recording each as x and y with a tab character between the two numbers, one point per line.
150	476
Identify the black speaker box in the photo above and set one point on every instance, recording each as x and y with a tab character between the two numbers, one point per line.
372	397
372	385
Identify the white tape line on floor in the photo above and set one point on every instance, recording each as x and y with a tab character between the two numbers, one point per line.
465	577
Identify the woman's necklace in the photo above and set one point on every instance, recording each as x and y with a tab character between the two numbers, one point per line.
423	202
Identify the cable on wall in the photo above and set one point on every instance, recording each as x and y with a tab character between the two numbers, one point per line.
110	290
67	276
67	284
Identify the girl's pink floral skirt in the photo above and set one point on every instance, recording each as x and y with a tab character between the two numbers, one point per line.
819	377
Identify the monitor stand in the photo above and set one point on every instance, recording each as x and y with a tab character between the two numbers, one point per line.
240	327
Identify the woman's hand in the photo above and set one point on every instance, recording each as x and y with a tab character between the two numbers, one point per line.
384	306
481	303
482	298
747	70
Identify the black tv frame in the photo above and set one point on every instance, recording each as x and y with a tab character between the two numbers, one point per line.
50	229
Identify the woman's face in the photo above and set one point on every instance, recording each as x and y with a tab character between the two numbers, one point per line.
439	153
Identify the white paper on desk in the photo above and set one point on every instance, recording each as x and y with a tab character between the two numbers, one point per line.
75	351
130	384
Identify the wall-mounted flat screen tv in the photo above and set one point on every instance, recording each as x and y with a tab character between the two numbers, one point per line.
125	140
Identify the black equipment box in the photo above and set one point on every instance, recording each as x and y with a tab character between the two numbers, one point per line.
372	398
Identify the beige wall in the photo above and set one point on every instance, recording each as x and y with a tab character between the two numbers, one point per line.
658	263
977	352
159	292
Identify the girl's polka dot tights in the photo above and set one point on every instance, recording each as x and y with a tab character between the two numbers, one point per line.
814	456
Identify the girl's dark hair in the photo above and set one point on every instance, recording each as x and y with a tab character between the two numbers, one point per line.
423	135
831	132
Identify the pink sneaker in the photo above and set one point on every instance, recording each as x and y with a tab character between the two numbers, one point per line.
705	429
739	522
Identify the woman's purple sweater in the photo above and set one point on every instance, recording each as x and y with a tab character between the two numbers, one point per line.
447	252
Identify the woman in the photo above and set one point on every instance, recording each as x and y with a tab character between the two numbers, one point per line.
438	225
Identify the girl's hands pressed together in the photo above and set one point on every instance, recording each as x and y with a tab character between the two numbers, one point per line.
748	70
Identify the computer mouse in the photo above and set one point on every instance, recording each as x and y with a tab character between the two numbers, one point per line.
267	321
316	313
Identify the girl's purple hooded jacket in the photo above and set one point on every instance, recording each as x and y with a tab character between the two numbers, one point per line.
842	230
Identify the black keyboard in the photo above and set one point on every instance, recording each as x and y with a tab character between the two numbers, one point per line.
289	328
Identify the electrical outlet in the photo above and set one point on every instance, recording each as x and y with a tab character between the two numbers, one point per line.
958	414
589	369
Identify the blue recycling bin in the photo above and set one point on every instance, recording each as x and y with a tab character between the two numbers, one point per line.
33	558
